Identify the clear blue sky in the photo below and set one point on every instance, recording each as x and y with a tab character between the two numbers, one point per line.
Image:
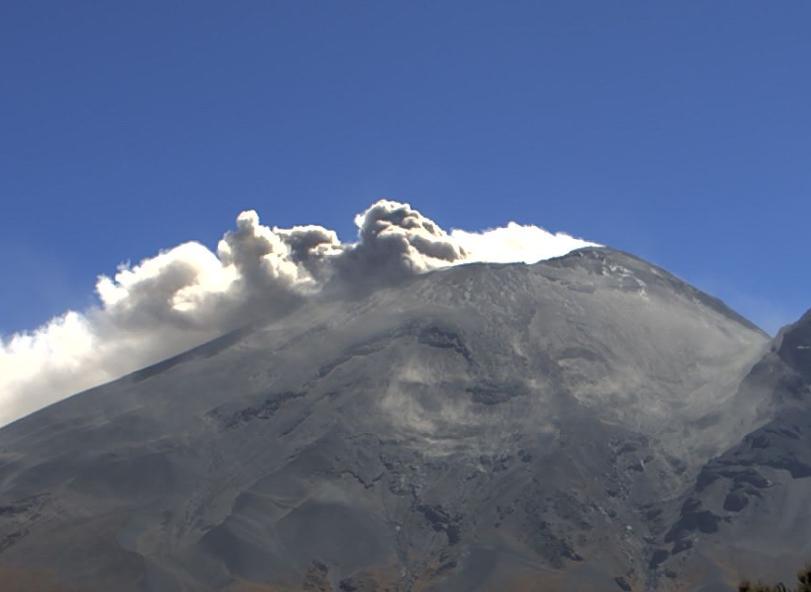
680	131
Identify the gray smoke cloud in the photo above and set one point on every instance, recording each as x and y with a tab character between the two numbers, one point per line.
395	241
187	295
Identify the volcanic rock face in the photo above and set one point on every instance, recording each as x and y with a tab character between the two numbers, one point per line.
565	425
748	514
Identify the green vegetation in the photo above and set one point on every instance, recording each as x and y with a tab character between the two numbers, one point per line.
803	578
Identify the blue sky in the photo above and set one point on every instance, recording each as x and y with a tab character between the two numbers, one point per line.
679	131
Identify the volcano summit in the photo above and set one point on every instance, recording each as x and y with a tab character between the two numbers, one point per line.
586	422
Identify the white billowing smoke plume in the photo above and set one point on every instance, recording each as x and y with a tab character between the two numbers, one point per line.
188	295
515	242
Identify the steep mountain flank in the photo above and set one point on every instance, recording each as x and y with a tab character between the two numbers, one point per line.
482	427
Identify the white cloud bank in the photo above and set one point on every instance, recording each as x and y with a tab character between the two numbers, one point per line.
187	295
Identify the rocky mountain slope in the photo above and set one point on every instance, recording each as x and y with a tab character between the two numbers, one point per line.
571	425
748	513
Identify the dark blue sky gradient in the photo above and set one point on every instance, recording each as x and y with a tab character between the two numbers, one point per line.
680	131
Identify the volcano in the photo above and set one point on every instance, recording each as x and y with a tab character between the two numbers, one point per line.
589	422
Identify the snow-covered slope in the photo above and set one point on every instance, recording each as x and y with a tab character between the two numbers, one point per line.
482	427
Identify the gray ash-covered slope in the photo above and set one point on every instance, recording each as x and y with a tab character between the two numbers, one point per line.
482	427
748	514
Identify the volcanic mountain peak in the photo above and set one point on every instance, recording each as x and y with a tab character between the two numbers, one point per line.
473	428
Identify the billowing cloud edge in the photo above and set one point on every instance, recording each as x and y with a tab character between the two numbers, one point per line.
187	295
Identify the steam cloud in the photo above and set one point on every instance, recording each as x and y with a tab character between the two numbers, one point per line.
188	295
